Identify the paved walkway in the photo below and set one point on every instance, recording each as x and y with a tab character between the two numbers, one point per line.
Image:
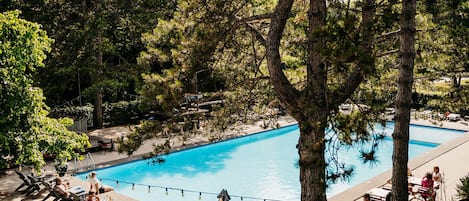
450	157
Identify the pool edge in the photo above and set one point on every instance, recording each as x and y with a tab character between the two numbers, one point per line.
355	192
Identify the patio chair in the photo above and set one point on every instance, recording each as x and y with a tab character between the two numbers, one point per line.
424	193
52	192
76	194
25	180
37	185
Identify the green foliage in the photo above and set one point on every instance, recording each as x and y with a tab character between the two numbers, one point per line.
463	187
162	91
26	133
442	51
72	111
146	130
439	52
23	46
122	112
206	49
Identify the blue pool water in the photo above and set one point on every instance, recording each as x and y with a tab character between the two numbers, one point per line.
263	166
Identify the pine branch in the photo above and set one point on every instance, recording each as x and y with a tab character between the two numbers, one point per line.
388	35
388	53
255	18
257	34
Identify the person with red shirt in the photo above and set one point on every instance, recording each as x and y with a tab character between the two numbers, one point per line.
427	187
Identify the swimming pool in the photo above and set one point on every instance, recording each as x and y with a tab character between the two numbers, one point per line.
261	166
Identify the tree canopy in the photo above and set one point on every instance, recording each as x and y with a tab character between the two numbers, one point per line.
26	132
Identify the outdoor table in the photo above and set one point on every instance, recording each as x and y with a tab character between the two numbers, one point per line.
378	193
414	180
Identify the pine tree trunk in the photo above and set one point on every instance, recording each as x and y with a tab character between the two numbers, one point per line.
98	109
403	102
312	162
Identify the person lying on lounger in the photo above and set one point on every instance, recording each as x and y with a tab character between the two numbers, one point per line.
62	189
366	197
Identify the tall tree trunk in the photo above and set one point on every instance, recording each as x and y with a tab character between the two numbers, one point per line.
98	98
98	102
311	147
98	109
403	102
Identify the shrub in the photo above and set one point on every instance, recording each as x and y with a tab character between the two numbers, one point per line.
463	188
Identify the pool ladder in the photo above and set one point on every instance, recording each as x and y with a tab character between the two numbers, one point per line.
89	163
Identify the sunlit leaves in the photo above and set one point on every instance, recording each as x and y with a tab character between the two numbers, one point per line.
23	45
26	131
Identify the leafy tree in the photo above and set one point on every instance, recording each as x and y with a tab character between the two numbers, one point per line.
452	17
97	43
26	133
445	54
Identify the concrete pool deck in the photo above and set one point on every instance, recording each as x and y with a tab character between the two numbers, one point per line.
449	156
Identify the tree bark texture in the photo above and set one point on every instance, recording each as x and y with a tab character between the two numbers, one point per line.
403	101
311	146
98	109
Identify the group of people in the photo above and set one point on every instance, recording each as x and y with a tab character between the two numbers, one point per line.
429	183
95	188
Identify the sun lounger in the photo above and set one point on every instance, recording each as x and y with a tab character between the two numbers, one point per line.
78	193
52	192
32	184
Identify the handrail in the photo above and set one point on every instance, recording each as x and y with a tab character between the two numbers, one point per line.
75	166
90	159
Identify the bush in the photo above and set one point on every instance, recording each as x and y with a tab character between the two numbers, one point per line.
122	112
73	112
463	188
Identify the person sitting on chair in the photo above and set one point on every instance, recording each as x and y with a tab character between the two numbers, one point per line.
427	187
